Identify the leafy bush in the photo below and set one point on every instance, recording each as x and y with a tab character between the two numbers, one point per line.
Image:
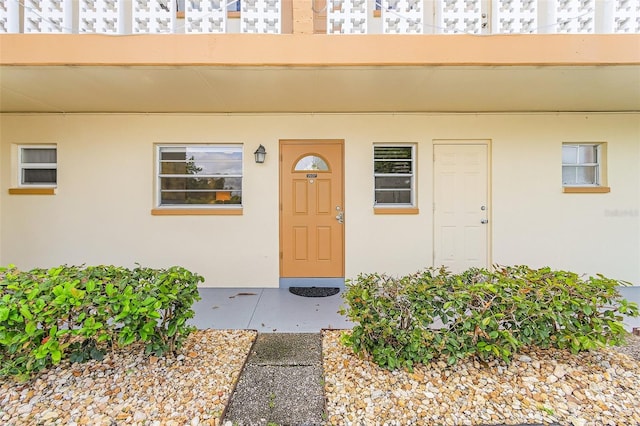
433	313
47	315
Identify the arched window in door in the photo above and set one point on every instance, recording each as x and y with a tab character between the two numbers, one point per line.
311	163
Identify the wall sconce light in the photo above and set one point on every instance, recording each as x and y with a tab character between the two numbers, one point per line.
260	154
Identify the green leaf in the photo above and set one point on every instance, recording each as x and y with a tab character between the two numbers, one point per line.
24	311
103	338
33	294
77	356
127	340
110	290
148	301
30	328
97	354
171	330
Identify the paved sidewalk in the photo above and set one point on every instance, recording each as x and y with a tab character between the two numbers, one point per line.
281	383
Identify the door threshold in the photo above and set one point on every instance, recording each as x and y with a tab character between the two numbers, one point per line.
312	282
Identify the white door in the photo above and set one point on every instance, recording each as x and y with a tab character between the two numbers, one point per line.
461	209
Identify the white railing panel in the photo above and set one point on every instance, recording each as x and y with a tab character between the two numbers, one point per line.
460	16
47	16
261	16
403	16
343	16
153	16
574	16
514	16
101	16
205	16
9	16
346	16
626	16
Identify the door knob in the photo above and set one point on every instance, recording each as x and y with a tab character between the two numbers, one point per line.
340	217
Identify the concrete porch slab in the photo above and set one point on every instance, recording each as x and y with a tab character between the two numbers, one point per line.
267	310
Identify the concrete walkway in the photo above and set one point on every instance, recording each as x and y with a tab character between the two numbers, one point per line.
281	383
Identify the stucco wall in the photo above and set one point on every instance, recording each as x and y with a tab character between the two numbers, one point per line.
101	211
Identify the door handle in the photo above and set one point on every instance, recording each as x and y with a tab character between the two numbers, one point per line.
340	217
483	221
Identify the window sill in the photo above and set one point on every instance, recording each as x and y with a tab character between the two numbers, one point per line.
586	189
32	191
195	212
392	210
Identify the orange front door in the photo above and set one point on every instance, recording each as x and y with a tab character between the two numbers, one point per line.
311	208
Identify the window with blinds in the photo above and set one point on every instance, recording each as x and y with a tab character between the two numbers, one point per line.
394	175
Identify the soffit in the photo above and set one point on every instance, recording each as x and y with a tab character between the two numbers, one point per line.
220	89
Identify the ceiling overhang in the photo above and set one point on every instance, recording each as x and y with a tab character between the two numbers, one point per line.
287	73
325	89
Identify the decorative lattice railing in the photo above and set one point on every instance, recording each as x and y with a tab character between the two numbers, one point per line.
342	16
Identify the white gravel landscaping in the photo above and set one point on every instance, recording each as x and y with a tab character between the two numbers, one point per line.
128	388
543	387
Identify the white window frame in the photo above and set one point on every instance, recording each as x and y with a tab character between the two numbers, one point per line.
412	188
598	164
159	176
30	166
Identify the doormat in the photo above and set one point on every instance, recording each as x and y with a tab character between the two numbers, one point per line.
314	291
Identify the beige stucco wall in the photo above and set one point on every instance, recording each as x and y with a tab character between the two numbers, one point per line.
101	212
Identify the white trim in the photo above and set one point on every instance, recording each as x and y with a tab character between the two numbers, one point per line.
161	147
21	166
597	165
412	186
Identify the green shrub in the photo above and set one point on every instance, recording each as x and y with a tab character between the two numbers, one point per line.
486	314
78	312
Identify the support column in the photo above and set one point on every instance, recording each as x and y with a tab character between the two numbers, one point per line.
302	16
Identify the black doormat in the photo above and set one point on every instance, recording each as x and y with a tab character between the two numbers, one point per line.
314	291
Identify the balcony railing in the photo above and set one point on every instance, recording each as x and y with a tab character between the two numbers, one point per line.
335	16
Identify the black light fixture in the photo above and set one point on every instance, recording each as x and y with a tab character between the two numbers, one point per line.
260	154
